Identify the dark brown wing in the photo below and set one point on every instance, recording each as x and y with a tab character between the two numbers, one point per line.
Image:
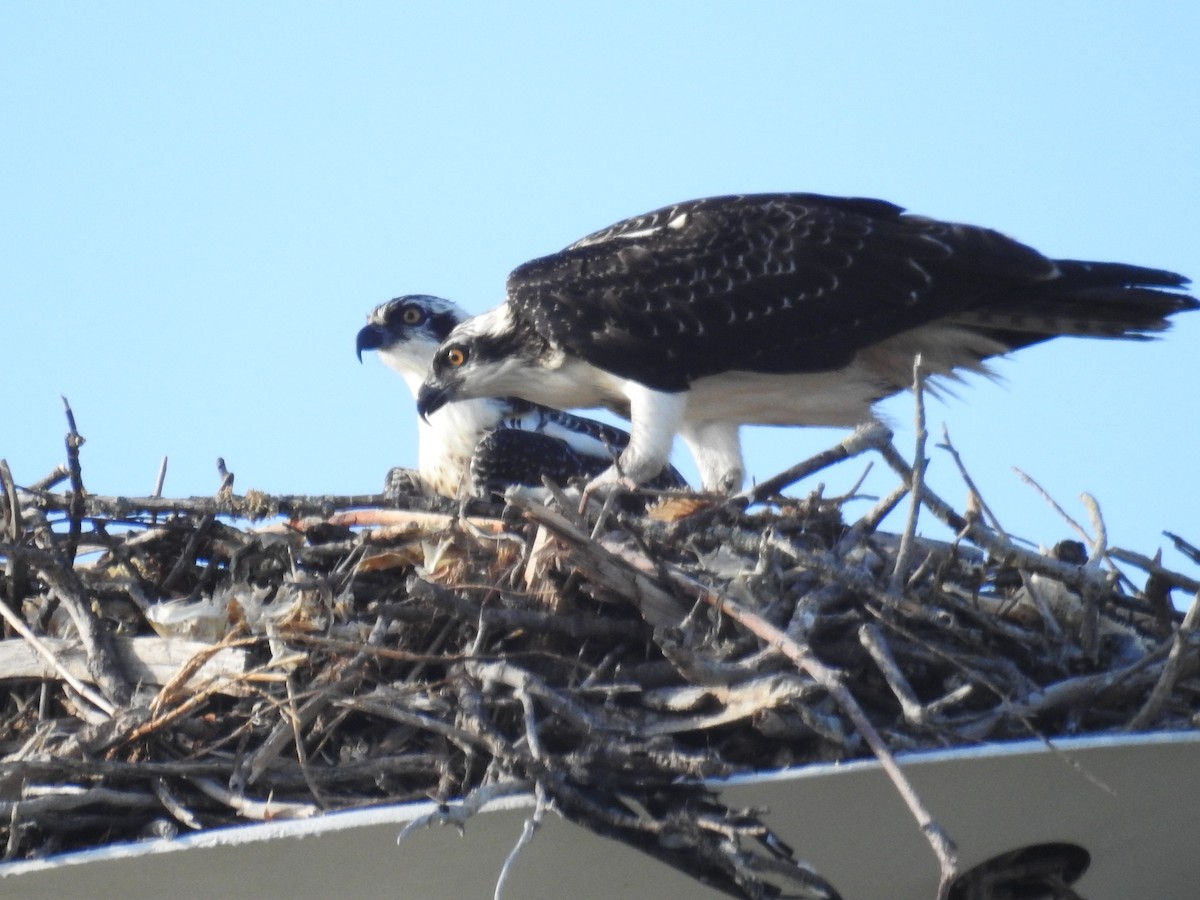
769	283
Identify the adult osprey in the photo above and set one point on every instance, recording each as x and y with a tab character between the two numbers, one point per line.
774	309
487	445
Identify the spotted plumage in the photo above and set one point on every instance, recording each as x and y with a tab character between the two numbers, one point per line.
777	309
485	446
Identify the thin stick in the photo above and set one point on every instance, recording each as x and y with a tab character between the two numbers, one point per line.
1170	673
57	476
23	630
1189	550
803	658
975	494
1099	543
872	639
532	824
870	522
162	477
1154	567
871	436
1072	576
255	809
1045	495
916	485
158	485
74	440
73	594
226	478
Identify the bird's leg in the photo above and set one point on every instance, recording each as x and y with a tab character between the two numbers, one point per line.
654	418
717	450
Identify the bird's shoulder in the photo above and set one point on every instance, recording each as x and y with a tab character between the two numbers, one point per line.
693	219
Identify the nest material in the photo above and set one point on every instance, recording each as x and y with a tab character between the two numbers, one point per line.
173	665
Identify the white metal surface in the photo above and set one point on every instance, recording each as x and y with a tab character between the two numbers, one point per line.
1133	802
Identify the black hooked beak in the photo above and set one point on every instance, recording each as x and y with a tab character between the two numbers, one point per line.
433	397
370	337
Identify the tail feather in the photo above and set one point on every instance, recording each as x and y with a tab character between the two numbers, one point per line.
1085	299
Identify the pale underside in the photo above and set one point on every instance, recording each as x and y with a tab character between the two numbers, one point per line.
708	415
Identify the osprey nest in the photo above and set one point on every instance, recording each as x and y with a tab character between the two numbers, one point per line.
174	665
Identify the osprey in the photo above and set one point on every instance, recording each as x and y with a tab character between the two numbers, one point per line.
485	445
774	309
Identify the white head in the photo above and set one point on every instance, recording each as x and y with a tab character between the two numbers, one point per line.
485	356
406	332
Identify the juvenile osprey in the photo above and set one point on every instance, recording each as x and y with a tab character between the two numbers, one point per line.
774	309
486	445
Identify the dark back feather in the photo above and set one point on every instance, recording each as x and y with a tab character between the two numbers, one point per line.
801	282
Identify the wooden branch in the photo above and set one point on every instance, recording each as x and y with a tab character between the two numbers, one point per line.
35	657
828	678
1174	579
461	604
74	440
252	506
872	639
1073	576
103	665
249	808
915	484
871	436
735	703
1183	645
67	798
660	608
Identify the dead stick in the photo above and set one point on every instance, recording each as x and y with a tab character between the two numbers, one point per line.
916	484
253	505
870	522
74	440
23	630
1191	551
803	658
1166	680
876	645
101	655
866	437
1154	567
14	572
226	477
158	484
976	497
1073	576
47	482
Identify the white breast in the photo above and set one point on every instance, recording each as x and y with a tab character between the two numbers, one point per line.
447	441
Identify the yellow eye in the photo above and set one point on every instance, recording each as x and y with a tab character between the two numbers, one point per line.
456	357
412	316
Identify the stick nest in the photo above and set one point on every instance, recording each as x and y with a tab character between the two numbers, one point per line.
173	665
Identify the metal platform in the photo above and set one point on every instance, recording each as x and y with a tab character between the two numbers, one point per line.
1125	810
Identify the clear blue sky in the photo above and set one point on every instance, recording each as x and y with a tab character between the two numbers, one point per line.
202	201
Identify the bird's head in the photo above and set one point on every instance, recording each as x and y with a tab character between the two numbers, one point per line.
407	331
482	357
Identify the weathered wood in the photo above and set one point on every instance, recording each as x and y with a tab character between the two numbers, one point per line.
148	660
